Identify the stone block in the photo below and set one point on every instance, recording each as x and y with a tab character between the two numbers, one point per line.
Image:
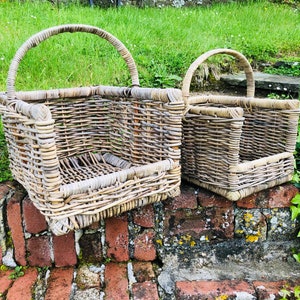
251	224
91	248
143	271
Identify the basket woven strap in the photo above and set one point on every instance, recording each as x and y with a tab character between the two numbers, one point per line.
193	67
45	34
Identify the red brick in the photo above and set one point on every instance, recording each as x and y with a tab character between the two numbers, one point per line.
143	271
281	196
248	202
187	199
209	199
268	290
144	216
117	238
60	284
144	248
39	251
64	250
5	282
276	197
34	221
271	289
116	282
145	291
4	189
211	223
209	290
22	287
14	219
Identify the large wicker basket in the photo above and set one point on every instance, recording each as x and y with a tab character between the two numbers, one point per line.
236	146
88	153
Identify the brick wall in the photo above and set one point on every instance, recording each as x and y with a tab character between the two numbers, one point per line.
195	220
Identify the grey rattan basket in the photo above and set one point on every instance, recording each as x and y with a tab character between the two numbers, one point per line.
87	153
236	146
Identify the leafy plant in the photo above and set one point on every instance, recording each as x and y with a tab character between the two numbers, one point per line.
289	293
295	211
288	69
5	173
18	272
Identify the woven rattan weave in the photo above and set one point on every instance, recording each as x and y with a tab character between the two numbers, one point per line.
88	153
236	146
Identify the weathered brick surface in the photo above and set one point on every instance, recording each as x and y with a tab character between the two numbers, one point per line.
145	291
117	238
91	247
208	224
282	195
144	216
14	219
276	197
116	282
22	287
144	247
272	289
34	221
208	199
210	290
5	282
251	224
64	250
268	290
4	189
143	271
59	284
187	199
39	251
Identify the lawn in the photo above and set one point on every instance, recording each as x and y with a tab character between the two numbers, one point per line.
163	42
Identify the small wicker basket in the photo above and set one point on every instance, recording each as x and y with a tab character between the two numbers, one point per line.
88	153
236	146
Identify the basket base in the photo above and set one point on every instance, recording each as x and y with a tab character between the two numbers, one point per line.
241	193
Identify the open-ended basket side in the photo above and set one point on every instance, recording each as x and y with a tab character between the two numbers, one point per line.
41	36
244	63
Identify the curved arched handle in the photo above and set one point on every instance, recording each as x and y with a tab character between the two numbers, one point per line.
41	36
242	59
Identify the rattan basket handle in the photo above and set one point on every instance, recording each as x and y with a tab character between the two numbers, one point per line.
193	67
41	36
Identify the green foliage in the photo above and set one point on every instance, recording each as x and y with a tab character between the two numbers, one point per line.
279	96
290	293
17	272
5	173
295	214
292	69
164	42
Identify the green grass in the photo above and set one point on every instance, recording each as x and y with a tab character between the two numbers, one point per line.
163	42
